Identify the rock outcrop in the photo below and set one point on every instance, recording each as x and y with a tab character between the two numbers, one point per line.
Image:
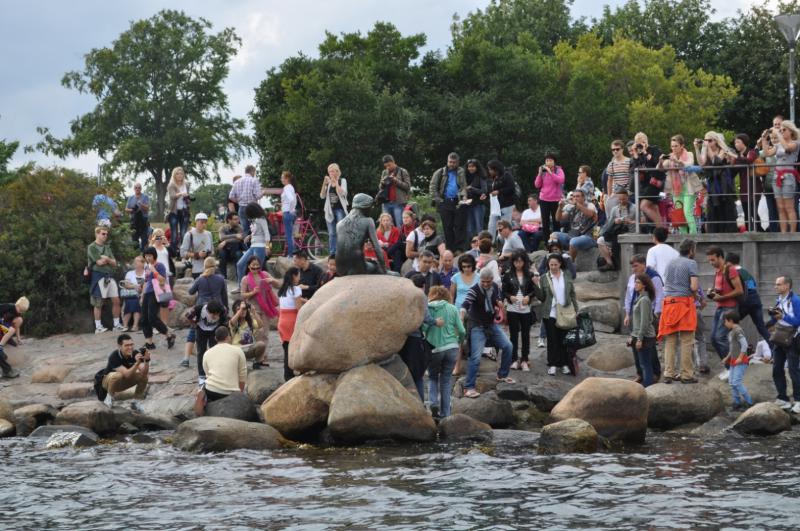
217	434
675	405
765	418
568	437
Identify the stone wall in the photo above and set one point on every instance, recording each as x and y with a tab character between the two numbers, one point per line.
765	255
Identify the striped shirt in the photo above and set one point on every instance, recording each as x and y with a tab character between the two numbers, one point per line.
246	190
618	173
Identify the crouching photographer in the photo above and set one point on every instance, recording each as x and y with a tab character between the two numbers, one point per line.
126	368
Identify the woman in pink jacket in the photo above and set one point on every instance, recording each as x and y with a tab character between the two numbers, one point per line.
550	183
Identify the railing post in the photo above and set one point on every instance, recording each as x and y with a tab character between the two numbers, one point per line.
636	198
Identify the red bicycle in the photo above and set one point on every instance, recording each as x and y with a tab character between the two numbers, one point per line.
306	236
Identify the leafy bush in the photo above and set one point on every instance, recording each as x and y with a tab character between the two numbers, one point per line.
46	223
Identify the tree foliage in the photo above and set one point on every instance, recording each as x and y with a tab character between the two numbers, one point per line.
7	150
46	223
160	101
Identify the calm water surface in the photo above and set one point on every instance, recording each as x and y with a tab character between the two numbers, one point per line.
675	481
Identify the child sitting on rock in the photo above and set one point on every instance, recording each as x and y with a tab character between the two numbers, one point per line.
738	359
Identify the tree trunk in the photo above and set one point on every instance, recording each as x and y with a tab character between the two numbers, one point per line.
160	181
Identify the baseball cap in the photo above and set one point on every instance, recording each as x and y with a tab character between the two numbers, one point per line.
201	217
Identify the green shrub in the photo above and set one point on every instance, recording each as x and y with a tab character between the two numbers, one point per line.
46	223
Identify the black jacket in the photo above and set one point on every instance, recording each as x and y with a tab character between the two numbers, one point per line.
505	186
511	285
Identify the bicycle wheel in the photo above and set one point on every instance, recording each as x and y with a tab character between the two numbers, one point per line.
316	244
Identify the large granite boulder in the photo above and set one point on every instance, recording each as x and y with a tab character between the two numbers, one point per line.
610	357
398	368
488	408
30	417
91	414
369	403
568	437
592	291
233	406
757	380
7	428
356	320
177	316
765	418
605	313
6	411
180	291
547	393
677	404
587	260
299	409
217	434
50	374
460	427
263	382
616	408
177	408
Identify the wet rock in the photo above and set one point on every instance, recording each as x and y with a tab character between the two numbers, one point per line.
263	382
141	422
50	374
673	405
7	428
547	393
369	403
616	408
713	428
217	434
765	418
91	414
68	391
482	385
338	329
6	410
299	409
45	432
70	439
488	408
30	417
515	391
233	406
527	416
568	437
516	439
143	438
610	357
605	311
179	408
463	427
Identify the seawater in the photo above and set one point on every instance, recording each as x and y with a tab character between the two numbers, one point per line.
674	481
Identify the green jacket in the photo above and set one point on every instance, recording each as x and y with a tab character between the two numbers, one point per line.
451	334
642	325
544	292
439	181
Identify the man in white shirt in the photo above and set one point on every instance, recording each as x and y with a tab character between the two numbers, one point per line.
197	244
660	254
226	370
531	225
511	240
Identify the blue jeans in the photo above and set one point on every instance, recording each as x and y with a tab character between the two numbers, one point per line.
738	390
395	209
338	215
719	334
474	219
505	213
530	240
288	231
244	221
477	339
241	265
580	243
178	225
782	355
644	359
440	376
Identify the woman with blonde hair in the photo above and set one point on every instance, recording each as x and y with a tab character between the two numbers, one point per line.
178	216
445	340
784	145
681	184
721	198
334	192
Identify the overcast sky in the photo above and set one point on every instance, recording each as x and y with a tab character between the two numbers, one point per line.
40	40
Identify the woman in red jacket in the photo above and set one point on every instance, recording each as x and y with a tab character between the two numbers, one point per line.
391	243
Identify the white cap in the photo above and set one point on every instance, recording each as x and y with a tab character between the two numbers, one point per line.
201	217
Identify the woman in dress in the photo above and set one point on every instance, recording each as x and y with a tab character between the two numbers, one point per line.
334	192
178	217
132	308
256	288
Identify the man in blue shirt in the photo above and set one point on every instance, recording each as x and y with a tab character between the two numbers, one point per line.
138	207
103	204
448	189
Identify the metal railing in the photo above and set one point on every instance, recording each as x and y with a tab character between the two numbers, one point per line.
751	198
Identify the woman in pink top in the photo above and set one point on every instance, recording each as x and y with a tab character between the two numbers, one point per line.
550	182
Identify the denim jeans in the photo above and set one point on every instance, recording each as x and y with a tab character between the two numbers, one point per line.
719	334
644	359
288	231
229	254
244	221
782	355
738	390
530	240
241	265
580	243
474	219
178	225
505	213
338	215
752	306
440	376
477	338
393	208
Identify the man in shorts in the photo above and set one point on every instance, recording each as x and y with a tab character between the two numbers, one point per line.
101	263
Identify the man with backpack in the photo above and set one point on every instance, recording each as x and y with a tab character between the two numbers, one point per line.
752	301
727	293
448	188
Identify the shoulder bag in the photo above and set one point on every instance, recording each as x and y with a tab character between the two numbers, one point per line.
566	317
782	335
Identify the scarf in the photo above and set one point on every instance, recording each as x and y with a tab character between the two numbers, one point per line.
266	301
487	301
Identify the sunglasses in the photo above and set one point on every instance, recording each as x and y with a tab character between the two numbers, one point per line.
708	140
159	237
616	149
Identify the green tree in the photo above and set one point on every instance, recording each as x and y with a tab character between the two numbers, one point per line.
160	102
7	150
207	197
350	106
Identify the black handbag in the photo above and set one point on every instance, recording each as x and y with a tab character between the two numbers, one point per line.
581	336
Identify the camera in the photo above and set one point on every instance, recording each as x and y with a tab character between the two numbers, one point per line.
711	293
142	351
774	311
639	146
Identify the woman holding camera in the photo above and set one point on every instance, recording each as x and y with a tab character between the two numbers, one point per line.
154	272
645	158
762	144
784	148
681	184
721	206
549	181
178	217
334	192
745	156
244	327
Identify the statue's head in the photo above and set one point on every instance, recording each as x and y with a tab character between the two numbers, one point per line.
362	201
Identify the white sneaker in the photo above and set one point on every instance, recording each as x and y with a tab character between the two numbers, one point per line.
564	370
541	343
515	366
552	371
724	375
120	328
100	330
109	401
783	404
524	366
